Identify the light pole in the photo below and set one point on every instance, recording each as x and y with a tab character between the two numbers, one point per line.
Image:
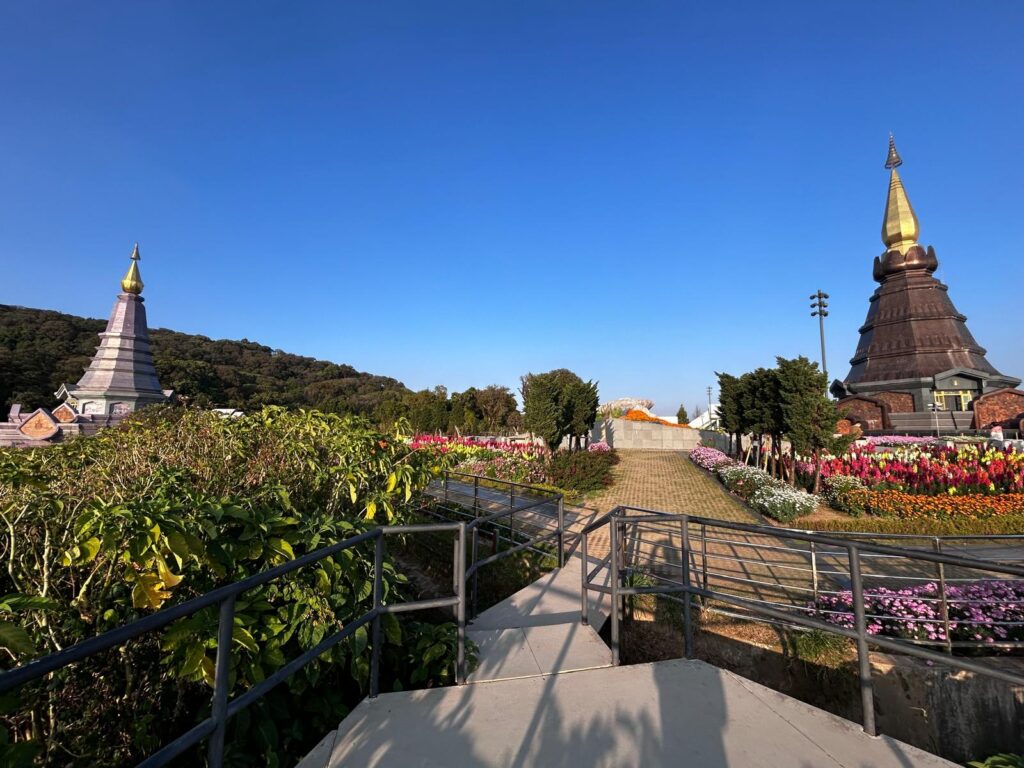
711	413
818	304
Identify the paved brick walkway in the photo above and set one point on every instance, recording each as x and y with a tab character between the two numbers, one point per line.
668	482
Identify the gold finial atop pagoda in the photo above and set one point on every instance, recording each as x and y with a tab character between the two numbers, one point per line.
132	280
899	227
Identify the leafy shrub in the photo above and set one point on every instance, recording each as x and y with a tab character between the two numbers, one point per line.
1002	760
783	503
924	526
847	494
581	471
172	504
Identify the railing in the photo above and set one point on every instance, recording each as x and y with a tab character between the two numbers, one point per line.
688	547
493	508
214	727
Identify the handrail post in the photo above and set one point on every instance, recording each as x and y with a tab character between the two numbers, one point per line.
511	495
704	560
687	596
460	608
614	566
584	584
476	571
476	494
867	697
219	708
378	596
814	570
561	531
943	603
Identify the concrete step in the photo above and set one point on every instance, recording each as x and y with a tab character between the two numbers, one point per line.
507	654
552	599
669	713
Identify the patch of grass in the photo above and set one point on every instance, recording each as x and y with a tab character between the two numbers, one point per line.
820	647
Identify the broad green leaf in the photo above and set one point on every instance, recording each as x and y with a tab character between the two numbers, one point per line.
19	602
281	547
209	670
15	639
89	550
178	545
371	509
392	482
194	656
244	638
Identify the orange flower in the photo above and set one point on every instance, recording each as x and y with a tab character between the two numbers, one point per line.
638	415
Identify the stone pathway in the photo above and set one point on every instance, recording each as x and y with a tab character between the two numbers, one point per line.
668	482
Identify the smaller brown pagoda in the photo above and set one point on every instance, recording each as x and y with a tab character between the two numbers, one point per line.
915	352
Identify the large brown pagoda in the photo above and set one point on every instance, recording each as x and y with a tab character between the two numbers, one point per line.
915	352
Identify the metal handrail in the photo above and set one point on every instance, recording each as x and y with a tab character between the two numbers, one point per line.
223	709
547	497
619	518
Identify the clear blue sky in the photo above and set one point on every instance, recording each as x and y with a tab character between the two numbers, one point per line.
460	192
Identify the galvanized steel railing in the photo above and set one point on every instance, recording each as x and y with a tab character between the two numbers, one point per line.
214	727
755	591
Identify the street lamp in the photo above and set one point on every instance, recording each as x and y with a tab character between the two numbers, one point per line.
818	304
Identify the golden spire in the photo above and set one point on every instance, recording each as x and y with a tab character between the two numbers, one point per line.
132	280
899	227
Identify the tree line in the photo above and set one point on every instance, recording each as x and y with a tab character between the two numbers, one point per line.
786	403
41	349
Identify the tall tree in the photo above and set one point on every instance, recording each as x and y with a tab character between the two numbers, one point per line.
558	403
681	416
495	405
730	408
809	417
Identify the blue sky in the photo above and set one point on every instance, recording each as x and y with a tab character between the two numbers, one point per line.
461	192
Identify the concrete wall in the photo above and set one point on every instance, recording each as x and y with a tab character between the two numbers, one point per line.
645	435
959	715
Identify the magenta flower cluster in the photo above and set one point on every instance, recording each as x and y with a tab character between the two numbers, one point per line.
898	440
709	458
599	447
980	612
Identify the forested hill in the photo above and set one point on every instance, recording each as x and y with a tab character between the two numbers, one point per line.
41	349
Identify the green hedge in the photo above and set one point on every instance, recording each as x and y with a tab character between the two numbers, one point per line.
1011	524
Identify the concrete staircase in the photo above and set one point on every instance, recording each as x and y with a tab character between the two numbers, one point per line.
545	694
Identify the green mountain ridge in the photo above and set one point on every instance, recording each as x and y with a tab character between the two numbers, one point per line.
40	349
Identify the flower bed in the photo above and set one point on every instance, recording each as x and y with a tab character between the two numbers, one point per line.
579	471
782	502
933	469
888	503
772	498
986	612
709	458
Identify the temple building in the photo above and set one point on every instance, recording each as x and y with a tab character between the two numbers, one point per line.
120	379
917	366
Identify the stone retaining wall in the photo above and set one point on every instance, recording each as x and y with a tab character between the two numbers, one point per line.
645	435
